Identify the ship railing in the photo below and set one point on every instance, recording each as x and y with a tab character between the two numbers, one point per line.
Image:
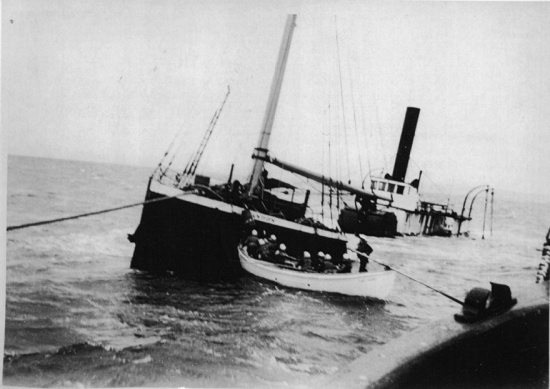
434	207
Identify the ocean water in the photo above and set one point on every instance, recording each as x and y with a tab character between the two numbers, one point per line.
78	316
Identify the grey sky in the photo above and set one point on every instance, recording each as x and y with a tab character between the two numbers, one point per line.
114	81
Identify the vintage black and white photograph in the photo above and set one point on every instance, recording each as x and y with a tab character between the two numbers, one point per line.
261	194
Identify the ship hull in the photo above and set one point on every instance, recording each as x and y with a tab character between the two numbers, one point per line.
395	222
186	237
196	237
382	224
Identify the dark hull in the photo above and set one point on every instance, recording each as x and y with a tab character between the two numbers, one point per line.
506	351
190	240
383	224
200	242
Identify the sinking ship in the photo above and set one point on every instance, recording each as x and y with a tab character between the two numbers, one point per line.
397	208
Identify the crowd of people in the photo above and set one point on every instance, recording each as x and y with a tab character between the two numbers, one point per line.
267	248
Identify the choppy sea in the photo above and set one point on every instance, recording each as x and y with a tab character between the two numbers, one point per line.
78	316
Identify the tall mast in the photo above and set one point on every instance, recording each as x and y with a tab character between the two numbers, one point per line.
274	93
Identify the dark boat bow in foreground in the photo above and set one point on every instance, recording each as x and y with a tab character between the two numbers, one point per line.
506	350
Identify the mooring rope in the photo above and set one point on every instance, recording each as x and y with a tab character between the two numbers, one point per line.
411	278
11	228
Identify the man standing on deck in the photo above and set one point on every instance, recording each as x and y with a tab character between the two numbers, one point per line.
364	248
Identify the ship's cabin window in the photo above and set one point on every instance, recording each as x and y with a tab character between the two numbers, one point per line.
389	187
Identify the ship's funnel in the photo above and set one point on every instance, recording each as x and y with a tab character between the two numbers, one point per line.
405	144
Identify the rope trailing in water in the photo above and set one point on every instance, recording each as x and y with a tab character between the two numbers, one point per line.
12	228
409	277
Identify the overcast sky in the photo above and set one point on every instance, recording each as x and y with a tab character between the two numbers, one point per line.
115	81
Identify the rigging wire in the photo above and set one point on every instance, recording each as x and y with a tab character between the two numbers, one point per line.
492	200
355	119
377	123
178	133
364	128
173	156
323	200
176	151
342	98
361	97
323	163
334	140
327	144
330	153
191	167
382	146
432	181
330	194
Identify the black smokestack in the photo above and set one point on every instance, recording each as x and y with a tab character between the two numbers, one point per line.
405	144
